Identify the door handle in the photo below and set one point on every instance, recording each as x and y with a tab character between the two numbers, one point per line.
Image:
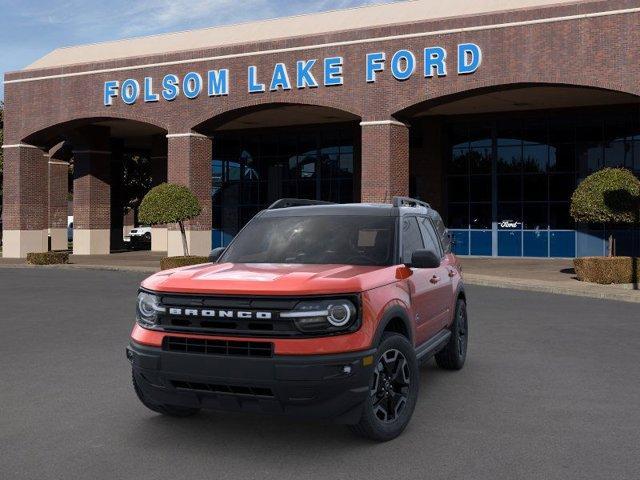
435	279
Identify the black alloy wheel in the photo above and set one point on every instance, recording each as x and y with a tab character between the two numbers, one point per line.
393	390
391	383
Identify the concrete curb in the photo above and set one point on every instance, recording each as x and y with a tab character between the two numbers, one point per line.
604	292
73	266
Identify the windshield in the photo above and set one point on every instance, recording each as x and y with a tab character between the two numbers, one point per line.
348	240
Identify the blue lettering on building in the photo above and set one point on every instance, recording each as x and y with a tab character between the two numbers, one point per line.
192	85
304	74
402	66
280	79
218	82
170	88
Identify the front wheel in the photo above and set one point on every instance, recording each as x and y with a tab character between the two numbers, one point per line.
393	390
454	354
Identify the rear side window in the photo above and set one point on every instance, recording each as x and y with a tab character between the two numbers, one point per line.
411	238
442	232
430	237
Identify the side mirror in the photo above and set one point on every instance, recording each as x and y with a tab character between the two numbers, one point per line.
424	259
215	254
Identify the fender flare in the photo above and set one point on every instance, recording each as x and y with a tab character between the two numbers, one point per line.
395	311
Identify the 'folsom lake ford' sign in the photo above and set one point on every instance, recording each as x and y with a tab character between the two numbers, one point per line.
309	73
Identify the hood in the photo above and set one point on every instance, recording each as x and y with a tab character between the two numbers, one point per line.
270	279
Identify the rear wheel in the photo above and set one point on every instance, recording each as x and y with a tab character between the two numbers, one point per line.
393	390
453	356
170	410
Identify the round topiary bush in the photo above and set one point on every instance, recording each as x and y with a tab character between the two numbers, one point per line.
610	195
170	203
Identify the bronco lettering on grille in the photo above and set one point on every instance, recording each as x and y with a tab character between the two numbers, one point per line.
240	314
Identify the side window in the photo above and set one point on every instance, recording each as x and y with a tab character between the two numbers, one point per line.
411	238
430	237
442	232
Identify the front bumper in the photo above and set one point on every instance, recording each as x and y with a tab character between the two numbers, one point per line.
320	386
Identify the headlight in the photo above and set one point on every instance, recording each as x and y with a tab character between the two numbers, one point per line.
147	309
323	316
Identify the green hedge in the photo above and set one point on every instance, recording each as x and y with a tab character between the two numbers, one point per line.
175	262
607	270
48	258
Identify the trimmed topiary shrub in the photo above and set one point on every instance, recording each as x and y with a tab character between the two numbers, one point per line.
170	203
175	262
607	270
611	195
48	258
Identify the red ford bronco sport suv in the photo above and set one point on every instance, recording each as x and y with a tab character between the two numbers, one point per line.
315	310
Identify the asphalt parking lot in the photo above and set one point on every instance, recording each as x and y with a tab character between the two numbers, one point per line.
551	390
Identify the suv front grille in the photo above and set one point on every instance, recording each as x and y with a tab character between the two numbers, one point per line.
218	347
238	316
228	389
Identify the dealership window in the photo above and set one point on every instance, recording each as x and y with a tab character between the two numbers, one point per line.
253	168
515	173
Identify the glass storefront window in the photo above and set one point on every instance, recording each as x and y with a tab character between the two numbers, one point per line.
535	160
480	188
535	216
535	188
509	188
458	215
253	168
510	158
618	154
458	189
480	216
459	161
480	159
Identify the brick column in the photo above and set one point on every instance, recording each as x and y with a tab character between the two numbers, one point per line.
24	201
189	164
385	160
159	175
58	190
92	193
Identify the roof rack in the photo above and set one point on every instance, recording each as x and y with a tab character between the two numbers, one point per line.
409	202
296	202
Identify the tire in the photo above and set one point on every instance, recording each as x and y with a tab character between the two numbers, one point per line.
147	237
454	354
389	406
169	410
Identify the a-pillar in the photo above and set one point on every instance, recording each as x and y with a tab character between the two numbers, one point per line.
24	200
158	175
58	191
189	164
385	160
92	192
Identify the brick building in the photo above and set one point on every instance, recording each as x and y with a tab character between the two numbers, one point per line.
492	111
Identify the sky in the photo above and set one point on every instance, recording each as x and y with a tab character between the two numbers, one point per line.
30	29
